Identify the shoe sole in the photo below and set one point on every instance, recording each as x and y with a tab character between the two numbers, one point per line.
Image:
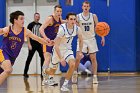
64	90
55	84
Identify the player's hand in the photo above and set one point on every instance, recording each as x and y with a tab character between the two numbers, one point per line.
103	41
63	62
50	43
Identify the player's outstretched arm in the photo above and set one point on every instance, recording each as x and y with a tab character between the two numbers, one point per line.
34	37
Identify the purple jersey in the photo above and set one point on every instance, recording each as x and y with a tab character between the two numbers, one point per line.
51	31
12	43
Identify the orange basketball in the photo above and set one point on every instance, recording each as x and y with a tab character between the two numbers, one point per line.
102	29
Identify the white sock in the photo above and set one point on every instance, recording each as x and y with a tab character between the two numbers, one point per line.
75	72
95	76
45	67
65	82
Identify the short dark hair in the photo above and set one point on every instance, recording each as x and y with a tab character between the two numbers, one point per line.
36	13
15	15
57	6
86	2
69	14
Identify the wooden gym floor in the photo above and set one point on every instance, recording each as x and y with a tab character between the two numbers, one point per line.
113	83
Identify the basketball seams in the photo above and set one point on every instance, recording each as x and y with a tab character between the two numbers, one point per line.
102	29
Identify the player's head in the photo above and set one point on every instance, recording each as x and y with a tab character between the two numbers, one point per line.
58	10
71	18
86	6
17	17
36	17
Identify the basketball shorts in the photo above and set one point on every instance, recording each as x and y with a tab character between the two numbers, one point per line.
89	46
47	49
66	54
5	56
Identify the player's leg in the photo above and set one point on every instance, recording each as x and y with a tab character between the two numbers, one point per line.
69	74
47	57
92	48
94	65
7	67
47	50
50	71
78	57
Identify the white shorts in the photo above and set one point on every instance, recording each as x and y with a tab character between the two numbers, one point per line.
66	54
89	46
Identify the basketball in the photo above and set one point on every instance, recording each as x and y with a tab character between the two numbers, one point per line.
102	29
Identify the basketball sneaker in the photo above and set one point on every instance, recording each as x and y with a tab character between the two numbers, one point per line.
44	77
95	80
64	88
74	77
88	71
50	82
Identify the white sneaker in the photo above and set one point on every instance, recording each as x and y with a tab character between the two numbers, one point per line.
51	82
64	88
79	73
88	71
95	80
44	77
74	77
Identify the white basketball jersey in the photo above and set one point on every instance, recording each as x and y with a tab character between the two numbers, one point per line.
86	25
68	35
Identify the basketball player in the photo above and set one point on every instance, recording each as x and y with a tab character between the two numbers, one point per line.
87	22
14	36
63	46
49	31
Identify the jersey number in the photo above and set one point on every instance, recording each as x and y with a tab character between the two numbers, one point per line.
13	46
87	28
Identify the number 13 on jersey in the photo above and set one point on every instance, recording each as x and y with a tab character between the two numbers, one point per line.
87	28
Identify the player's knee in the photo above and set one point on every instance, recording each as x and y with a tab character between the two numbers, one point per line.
72	65
8	70
93	59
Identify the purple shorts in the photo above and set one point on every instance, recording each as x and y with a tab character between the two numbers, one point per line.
5	56
47	48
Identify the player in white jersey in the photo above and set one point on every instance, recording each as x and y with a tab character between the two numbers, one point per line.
87	22
63	46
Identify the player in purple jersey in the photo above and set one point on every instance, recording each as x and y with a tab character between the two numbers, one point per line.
49	31
14	37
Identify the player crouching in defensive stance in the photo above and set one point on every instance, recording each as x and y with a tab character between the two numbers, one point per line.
62	51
